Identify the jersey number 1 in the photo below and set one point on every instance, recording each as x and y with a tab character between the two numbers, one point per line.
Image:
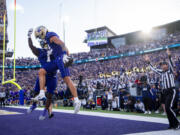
49	52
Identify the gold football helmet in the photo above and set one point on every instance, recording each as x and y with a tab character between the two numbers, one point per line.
40	32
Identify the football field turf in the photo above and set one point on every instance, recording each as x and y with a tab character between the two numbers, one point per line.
14	120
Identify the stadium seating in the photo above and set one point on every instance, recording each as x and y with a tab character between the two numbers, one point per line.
116	74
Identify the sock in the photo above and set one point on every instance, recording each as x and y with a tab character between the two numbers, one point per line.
41	91
76	99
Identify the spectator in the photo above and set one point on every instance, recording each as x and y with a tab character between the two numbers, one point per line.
109	98
139	106
146	95
115	104
154	98
129	104
104	103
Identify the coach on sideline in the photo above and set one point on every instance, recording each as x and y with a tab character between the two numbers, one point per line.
167	76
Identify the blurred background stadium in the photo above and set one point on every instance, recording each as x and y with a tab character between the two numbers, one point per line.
111	76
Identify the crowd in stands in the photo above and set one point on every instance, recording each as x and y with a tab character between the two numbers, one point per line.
21	62
150	44
112	80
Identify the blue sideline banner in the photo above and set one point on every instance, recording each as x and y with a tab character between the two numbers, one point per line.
107	57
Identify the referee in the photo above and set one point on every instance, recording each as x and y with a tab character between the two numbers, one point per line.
167	76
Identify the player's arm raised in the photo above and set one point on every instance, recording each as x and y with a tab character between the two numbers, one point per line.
30	43
57	41
147	60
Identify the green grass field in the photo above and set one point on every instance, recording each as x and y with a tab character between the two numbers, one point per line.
116	112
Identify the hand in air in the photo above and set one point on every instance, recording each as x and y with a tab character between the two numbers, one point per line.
30	32
168	52
67	60
146	58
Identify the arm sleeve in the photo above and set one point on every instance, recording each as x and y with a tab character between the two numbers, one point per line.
171	63
159	71
34	50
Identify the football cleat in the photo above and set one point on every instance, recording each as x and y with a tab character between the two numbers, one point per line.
41	117
40	96
51	115
31	109
177	127
77	106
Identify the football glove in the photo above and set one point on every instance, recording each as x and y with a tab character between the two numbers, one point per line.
30	32
67	60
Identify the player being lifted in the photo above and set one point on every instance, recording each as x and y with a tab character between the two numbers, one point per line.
45	58
62	61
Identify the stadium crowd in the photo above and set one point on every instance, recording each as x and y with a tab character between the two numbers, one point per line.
150	44
112	80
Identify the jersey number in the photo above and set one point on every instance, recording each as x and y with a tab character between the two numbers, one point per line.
49	52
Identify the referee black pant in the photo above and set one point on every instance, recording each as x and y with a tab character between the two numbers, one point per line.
170	101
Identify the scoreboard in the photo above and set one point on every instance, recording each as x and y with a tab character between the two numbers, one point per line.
97	38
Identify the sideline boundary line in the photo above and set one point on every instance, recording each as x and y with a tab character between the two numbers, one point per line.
107	115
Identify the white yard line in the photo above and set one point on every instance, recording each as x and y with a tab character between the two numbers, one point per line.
164	132
3	112
107	115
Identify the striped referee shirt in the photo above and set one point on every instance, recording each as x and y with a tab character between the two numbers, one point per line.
167	77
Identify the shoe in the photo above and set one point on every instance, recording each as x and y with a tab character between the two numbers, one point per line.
170	128
31	109
149	112
177	127
51	115
163	114
145	112
40	96
77	105
41	117
157	111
